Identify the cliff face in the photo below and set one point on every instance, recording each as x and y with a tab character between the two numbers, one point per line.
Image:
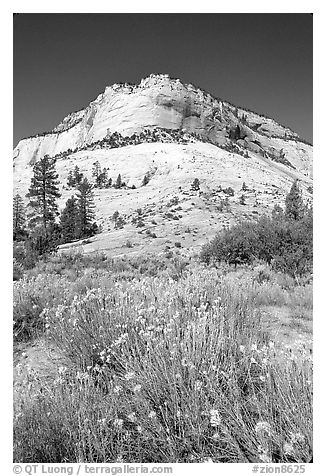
172	133
161	102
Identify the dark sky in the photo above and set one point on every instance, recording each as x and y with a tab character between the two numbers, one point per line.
260	61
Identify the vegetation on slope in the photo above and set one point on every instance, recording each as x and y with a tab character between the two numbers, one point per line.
175	367
284	240
161	359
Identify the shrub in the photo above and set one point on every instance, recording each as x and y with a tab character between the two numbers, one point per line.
145	180
18	270
173	202
229	191
165	370
195	186
284	240
287	245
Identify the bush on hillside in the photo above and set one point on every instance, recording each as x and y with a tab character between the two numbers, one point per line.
285	244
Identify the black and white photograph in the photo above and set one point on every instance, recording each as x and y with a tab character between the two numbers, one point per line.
162	214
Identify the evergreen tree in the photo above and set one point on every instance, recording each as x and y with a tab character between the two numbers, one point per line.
118	182
18	217
195	186
115	218
86	207
294	206
96	172
43	193
229	191
69	220
71	179
78	176
102	179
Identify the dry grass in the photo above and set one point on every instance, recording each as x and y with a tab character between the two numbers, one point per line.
162	369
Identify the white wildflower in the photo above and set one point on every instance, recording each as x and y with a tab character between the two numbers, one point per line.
288	449
215	418
129	375
184	362
137	388
152	414
263	427
132	417
242	348
297	438
118	423
265	457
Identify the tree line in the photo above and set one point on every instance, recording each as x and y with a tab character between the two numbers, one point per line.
37	225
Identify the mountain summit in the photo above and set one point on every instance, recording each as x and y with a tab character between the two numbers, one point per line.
172	133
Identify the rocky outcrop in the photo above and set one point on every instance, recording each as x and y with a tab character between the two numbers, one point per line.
161	102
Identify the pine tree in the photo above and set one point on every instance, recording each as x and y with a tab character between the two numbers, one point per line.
102	179
86	207
115	218
118	182
18	217
71	179
242	200
69	220
294	206
195	186
43	193
96	172
78	176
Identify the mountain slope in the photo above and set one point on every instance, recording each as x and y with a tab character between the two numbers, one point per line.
174	133
159	101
